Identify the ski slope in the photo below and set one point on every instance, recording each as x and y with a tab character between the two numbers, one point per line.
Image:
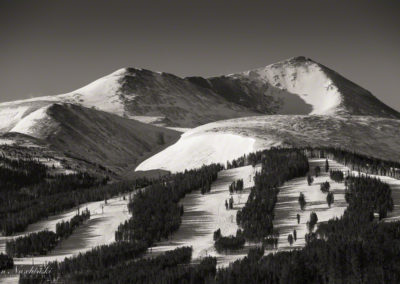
98	230
204	214
287	206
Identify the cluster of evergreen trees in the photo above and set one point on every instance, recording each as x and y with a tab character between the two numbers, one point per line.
325	186
155	210
229	243
377	193
278	166
39	243
236	186
42	242
6	262
65	228
336	175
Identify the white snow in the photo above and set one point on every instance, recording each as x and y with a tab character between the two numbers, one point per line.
9	116
147	119
32	122
193	151
101	94
6	141
306	80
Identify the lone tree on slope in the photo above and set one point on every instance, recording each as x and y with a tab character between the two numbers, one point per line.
330	199
302	201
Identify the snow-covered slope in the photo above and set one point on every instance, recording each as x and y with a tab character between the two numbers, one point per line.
364	134
193	151
298	85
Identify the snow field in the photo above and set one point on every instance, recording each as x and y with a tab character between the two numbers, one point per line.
193	151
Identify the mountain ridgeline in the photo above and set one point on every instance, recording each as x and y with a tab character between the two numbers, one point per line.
121	119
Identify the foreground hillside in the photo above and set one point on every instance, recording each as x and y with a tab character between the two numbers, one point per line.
376	137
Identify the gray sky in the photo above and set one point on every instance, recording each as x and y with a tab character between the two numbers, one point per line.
53	47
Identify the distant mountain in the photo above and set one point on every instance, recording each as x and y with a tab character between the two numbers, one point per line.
225	140
94	136
297	86
294	86
150	97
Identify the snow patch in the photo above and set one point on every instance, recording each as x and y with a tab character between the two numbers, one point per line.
10	116
32	122
193	151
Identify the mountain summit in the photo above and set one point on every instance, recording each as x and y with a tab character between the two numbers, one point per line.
297	85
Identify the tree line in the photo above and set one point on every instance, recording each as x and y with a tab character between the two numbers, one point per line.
355	161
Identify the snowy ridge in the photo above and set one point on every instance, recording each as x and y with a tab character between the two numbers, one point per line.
36	124
305	79
101	94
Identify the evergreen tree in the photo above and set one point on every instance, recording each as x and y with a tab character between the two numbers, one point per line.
330	199
326	166
302	201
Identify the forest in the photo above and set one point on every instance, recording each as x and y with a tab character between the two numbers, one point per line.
229	243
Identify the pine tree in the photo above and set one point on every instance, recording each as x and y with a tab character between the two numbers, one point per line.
302	201
330	199
326	166
290	239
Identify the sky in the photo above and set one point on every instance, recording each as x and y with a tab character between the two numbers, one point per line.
53	47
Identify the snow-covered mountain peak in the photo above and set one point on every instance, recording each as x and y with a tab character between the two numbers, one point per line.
303	77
